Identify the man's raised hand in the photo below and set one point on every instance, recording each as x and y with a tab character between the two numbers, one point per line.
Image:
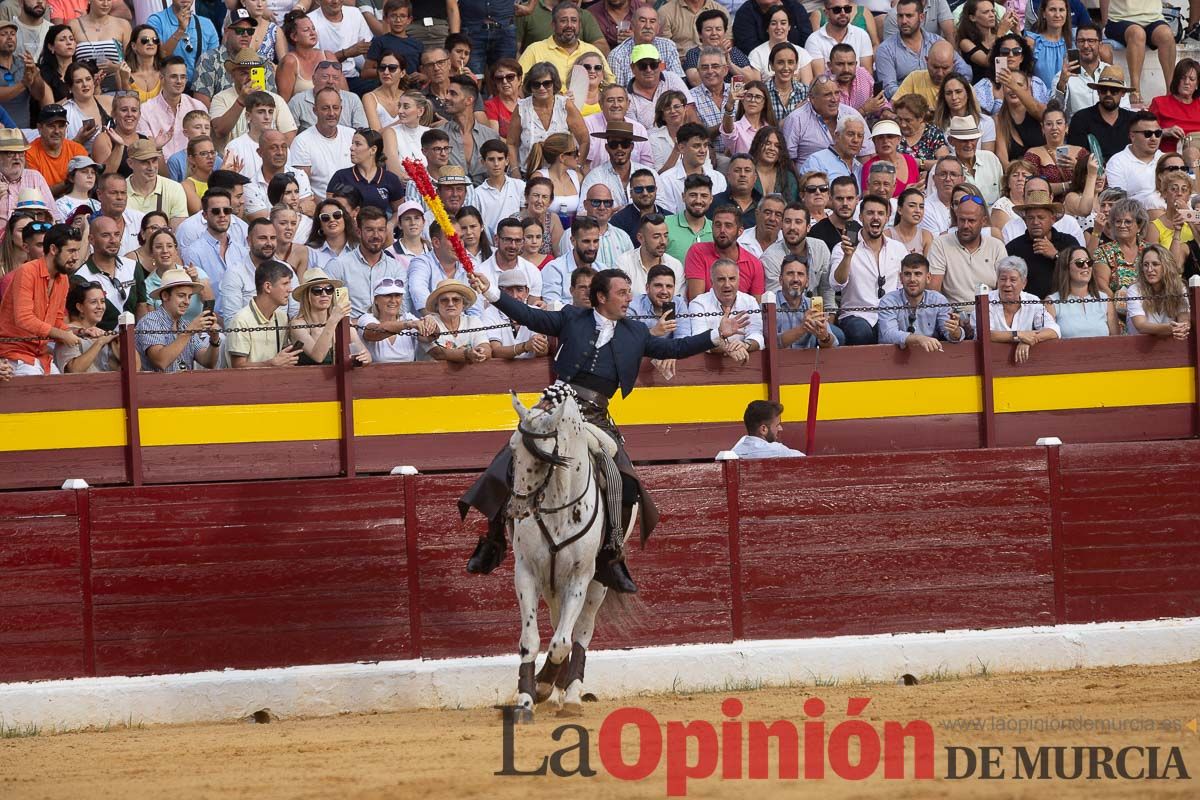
732	325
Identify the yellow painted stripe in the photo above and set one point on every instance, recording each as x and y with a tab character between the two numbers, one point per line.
233	424
1118	389
393	416
876	399
62	430
657	405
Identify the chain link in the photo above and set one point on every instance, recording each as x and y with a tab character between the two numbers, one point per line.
640	317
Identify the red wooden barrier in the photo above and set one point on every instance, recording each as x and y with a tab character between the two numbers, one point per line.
205	576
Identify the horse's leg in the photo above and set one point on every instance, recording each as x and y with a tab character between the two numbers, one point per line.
549	670
527	596
573	593
571	678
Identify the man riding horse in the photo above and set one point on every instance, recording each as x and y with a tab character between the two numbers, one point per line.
600	350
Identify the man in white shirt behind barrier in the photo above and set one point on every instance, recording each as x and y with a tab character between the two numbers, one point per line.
764	426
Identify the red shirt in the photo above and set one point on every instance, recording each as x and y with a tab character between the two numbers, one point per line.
698	265
1171	112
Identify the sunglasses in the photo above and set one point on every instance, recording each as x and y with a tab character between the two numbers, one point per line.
546	84
1110	90
507	77
326	217
1175	168
388	67
647	64
969	198
822	189
879	287
386	283
1081	262
328	65
242	31
625	144
144	40
593	67
1154	134
1009	51
840	9
643	189
221	212
600	203
38	227
574	152
321	290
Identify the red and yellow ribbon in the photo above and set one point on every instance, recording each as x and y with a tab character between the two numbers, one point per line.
420	176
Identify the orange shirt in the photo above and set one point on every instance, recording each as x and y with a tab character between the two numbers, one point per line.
32	305
54	170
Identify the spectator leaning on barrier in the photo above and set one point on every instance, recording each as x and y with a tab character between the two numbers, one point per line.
513	340
168	344
1157	303
916	315
262	336
1078	304
799	325
660	308
724	300
34	305
389	332
1016	317
764	426
813	252
315	327
94	352
458	339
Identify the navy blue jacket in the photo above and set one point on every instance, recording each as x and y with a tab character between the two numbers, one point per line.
576	332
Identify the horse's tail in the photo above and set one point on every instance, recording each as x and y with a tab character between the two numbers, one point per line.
624	613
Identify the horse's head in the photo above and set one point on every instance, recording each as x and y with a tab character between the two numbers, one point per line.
544	422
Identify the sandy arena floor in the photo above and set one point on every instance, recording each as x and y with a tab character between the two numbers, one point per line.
435	754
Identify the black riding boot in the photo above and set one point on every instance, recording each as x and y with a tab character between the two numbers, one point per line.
490	550
611	570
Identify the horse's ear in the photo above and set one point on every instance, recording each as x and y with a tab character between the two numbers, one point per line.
521	410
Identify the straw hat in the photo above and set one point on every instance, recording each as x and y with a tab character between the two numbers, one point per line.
1039	198
450	286
1111	78
964	128
12	141
245	58
313	276
31	200
451	175
174	278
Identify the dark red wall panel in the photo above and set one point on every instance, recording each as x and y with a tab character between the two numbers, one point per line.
41	595
249	575
1131	530
899	542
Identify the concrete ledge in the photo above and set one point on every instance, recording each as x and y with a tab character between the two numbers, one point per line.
326	690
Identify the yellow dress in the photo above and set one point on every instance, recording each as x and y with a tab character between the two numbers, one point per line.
1166	236
144	96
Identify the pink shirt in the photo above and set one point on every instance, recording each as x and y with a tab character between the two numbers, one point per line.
29	180
739	141
698	265
157	117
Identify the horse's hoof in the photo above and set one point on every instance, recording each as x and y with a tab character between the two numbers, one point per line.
588	697
523	716
543	692
571	710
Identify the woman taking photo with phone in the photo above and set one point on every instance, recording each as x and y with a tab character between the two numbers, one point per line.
318	307
101	39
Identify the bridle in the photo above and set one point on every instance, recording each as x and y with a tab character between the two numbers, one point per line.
534	497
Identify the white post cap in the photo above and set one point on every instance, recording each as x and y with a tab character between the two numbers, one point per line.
405	470
1048	441
727	455
75	483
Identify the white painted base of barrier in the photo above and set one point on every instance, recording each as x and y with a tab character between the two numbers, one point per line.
326	690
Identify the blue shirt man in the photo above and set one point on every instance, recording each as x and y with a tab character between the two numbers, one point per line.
585	244
197	37
916	315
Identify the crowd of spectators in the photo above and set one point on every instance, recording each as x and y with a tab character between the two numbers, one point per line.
232	177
